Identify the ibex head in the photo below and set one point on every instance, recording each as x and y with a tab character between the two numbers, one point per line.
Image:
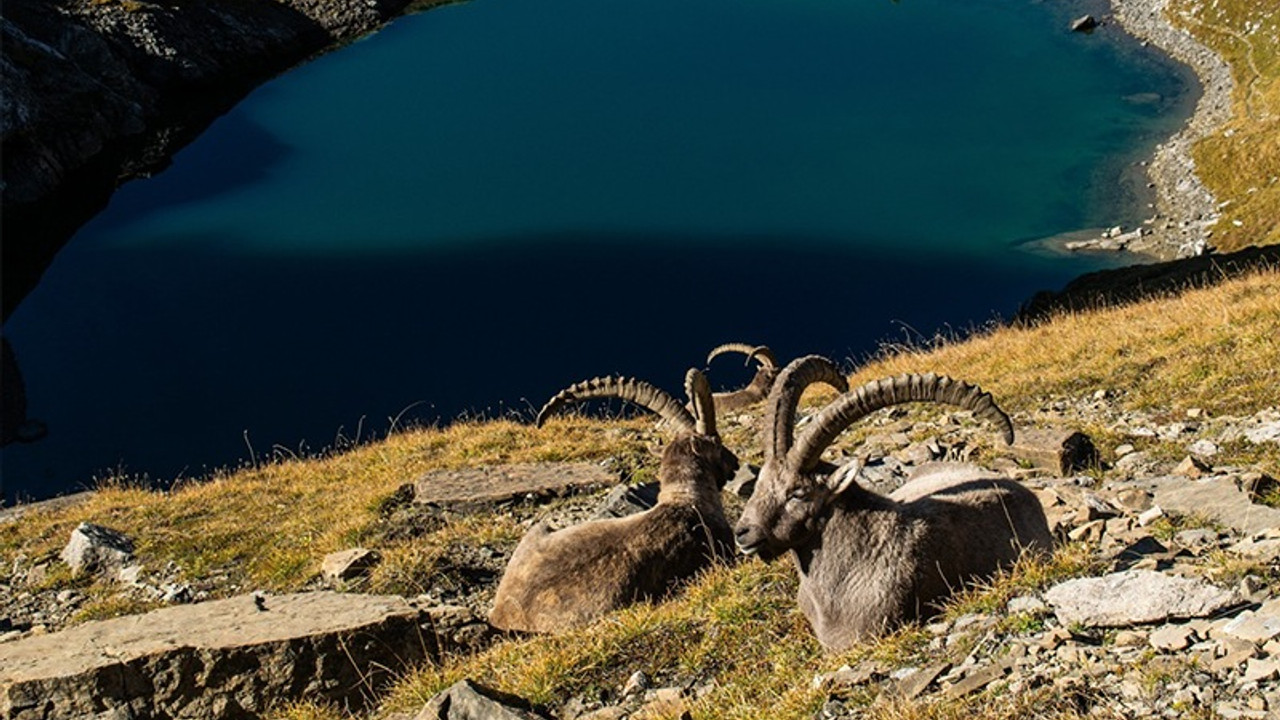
796	488
696	448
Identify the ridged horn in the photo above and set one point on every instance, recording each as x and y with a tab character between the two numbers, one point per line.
698	390
760	353
877	394
636	392
784	398
763	355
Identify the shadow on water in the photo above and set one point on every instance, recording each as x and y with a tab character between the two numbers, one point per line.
288	350
235	153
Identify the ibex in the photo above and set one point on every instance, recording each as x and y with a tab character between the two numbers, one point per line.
758	388
868	562
561	579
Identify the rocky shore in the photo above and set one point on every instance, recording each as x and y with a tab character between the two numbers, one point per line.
1185	210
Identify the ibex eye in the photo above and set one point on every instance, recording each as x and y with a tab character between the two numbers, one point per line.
799	495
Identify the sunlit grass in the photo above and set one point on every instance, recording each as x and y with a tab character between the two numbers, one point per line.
1216	349
268	527
1241	162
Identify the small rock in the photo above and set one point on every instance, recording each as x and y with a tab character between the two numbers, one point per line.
1062	451
1150	515
1192	467
1090	532
849	677
1203	448
636	684
1253	587
347	565
1026	604
1234	654
975	681
1196	537
1095	507
1130	638
624	500
1231	711
174	593
1217	498
1084	24
1254	627
1256	670
1055	638
130	575
913	685
466	700
1134	463
1171	638
94	548
1133	500
1267	432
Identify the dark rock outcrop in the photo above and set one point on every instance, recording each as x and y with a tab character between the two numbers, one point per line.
100	91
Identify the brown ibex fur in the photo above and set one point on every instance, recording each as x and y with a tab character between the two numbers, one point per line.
565	578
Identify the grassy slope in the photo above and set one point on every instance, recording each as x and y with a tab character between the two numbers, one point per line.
268	527
1241	164
1217	349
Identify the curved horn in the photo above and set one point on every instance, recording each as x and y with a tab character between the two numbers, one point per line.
857	404
785	397
635	391
704	407
763	355
760	353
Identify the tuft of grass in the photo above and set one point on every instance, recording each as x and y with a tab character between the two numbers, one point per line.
1165	527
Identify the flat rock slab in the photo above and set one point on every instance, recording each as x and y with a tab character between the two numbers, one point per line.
1218	498
1135	597
499	483
225	658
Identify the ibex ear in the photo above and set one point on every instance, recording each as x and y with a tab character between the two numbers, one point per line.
844	477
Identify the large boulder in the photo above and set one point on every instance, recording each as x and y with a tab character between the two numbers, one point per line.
229	658
1135	597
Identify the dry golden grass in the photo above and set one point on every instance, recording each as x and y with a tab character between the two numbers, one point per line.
1241	163
738	626
269	527
1217	349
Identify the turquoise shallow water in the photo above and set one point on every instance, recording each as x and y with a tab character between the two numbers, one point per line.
485	202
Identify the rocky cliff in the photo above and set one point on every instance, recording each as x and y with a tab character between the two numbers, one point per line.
100	91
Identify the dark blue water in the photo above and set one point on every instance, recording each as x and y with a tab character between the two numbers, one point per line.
488	201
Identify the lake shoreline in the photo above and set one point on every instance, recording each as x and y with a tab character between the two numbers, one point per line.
1185	210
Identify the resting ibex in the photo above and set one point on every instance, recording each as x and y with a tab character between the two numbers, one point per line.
867	562
758	388
562	579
